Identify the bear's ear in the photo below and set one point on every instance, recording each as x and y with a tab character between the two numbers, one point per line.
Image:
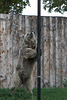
33	32
21	36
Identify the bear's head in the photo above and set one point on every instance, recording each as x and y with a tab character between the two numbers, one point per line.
30	39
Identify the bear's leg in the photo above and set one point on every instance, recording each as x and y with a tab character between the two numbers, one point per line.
28	85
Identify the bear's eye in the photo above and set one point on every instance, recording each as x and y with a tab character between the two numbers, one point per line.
27	33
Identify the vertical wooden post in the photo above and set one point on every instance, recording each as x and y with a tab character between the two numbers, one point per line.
39	54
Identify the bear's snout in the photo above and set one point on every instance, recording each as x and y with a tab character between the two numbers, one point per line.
31	34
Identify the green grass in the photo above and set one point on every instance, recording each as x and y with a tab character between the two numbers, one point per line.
53	93
46	94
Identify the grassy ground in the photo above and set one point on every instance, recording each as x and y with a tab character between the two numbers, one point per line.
46	94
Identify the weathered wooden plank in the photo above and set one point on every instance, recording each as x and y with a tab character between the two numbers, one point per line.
52	52
42	53
34	24
21	30
15	45
46	52
9	50
65	26
44	48
64	50
58	51
27	24
3	53
15	42
0	51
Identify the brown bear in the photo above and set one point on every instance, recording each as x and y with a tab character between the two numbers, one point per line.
26	61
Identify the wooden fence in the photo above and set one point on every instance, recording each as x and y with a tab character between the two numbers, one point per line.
53	44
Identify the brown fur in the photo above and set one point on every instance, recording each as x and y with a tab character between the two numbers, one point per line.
26	61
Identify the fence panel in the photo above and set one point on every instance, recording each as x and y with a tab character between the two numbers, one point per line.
53	44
